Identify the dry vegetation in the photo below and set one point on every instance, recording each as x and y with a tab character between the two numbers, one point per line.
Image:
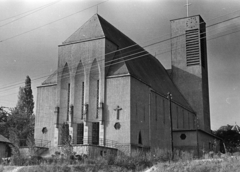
138	161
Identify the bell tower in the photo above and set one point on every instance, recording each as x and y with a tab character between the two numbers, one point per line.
189	65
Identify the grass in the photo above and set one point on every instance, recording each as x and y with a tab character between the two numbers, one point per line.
228	164
138	161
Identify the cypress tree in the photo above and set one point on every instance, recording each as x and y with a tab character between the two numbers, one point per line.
21	121
25	103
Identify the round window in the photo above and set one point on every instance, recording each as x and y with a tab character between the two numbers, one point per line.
44	130
117	126
183	136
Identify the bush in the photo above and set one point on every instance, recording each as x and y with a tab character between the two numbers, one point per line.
137	161
159	155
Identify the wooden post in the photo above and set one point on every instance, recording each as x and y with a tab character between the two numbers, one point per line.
169	96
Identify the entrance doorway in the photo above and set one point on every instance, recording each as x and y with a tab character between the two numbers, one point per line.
80	129
95	133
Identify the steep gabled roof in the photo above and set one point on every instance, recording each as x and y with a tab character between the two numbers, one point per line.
140	64
131	59
90	30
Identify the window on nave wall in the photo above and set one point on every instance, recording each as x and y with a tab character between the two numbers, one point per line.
93	91
79	93
82	109
64	94
78	104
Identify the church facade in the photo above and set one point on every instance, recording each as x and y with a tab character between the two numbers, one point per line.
111	94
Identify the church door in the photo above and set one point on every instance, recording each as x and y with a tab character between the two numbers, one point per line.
80	133
95	133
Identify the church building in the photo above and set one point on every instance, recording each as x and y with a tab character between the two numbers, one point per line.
112	95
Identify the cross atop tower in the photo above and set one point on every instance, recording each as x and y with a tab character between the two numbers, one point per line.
187	5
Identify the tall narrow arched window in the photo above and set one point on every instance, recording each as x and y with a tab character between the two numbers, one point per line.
64	99
94	91
64	94
79	93
79	89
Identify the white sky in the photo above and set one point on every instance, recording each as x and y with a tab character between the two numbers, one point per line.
145	21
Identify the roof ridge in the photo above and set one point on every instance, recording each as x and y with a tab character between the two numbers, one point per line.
85	33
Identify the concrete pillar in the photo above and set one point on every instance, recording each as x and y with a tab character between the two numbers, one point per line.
89	124
101	134
85	134
55	140
71	132
70	122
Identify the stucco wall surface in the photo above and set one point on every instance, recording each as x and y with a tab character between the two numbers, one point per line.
45	116
117	95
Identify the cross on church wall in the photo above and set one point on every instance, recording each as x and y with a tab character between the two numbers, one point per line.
118	109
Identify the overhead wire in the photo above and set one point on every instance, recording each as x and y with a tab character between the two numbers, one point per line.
118	59
29	11
3	40
155	43
122	57
124	47
121	52
34	11
142	47
75	118
157	54
79	118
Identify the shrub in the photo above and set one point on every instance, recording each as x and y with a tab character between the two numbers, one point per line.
138	160
159	155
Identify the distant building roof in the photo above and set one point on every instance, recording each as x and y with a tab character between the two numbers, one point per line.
4	139
236	128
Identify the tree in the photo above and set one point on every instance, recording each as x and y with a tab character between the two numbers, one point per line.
3	121
21	121
230	137
25	103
